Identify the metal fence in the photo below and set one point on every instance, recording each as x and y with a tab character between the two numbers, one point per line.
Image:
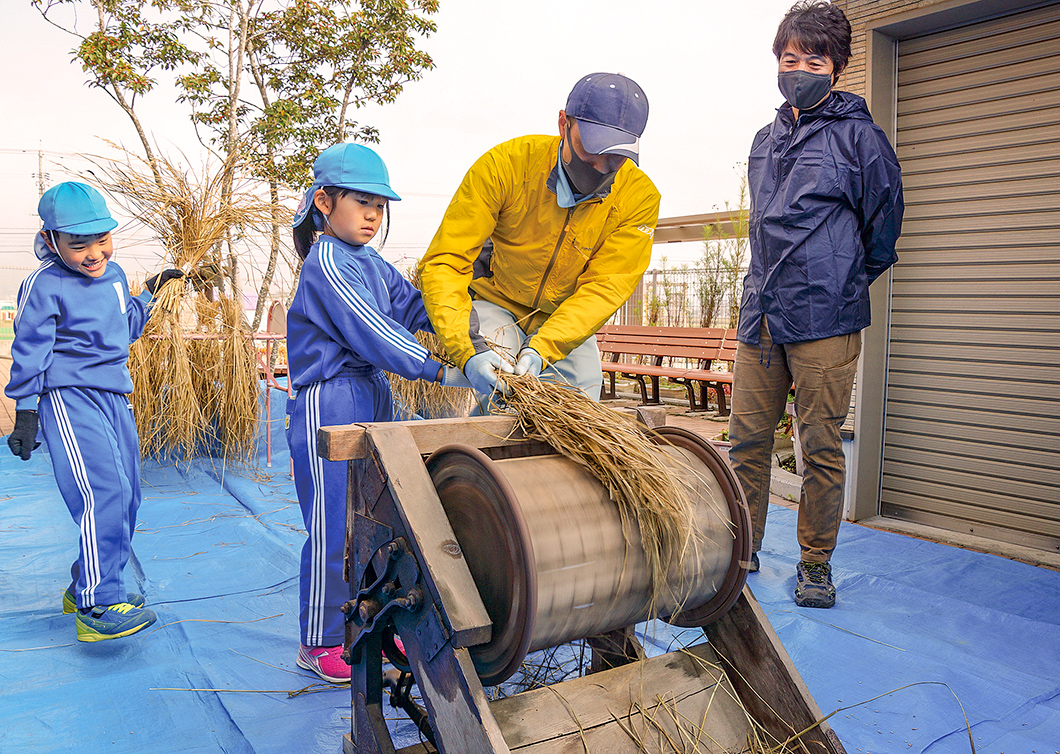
684	298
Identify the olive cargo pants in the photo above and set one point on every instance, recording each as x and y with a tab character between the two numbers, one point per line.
823	374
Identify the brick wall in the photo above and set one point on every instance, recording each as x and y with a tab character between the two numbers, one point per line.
860	12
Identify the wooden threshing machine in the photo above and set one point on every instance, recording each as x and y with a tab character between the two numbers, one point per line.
475	546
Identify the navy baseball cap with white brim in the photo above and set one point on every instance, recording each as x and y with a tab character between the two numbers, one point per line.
612	111
349	166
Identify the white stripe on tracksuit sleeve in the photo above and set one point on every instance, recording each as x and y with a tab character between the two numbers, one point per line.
364	305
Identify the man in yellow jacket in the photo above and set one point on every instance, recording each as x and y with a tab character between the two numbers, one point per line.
545	239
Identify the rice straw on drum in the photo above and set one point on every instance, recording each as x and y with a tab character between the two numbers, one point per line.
618	452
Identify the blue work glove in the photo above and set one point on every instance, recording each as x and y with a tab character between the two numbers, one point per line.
453	377
153	283
23	438
529	362
481	370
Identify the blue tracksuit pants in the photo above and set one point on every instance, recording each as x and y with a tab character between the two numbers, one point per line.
95	454
353	396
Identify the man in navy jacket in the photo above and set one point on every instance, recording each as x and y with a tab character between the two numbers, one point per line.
826	211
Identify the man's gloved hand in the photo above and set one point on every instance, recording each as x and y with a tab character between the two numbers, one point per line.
481	371
153	283
23	438
529	362
453	377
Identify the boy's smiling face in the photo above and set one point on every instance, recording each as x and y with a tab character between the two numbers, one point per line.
85	254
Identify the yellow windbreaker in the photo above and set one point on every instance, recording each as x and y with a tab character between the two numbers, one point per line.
561	272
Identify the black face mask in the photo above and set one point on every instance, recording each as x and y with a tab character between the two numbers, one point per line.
583	177
803	89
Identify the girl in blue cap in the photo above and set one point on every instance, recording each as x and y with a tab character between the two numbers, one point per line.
352	318
73	328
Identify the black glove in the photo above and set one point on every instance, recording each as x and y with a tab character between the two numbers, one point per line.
153	283
23	438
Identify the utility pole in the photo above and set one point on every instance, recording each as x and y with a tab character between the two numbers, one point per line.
41	176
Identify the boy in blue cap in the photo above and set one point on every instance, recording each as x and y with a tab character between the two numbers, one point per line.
73	328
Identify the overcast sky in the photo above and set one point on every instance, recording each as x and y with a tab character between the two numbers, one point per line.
503	69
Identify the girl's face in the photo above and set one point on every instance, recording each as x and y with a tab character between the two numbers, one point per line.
353	217
85	254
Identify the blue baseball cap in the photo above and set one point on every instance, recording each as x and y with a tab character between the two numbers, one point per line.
348	166
75	208
611	111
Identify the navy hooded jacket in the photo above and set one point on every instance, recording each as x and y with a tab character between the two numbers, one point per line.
826	211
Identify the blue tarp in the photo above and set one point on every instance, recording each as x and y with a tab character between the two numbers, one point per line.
217	558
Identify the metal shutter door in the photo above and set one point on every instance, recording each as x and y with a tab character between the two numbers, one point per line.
972	438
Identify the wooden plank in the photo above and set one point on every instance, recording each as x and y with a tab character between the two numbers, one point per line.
677	338
347	442
431	535
687	685
765	678
636	341
414	749
704	375
666	350
662	330
459	709
647	370
678	335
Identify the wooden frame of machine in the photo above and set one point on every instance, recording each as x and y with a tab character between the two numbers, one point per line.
457	529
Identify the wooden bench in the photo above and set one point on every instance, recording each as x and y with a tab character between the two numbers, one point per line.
694	349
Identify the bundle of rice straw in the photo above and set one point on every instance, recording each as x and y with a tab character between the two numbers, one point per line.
195	375
616	450
428	400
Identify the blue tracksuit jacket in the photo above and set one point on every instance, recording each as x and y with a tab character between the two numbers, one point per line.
353	309
73	331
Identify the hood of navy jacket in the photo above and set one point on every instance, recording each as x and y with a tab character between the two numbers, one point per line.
826	211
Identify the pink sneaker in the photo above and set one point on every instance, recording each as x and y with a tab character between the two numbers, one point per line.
326	662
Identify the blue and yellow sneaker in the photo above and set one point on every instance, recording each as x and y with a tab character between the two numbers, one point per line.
70	604
112	621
